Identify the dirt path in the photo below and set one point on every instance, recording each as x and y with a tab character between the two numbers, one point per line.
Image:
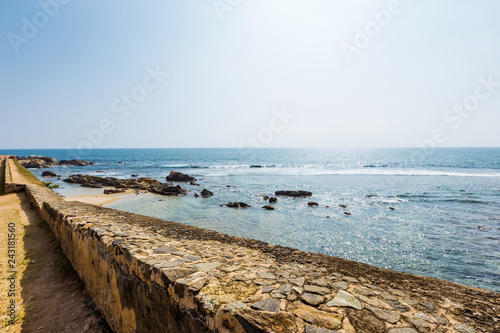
47	293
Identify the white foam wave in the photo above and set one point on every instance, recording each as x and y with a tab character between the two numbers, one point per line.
356	172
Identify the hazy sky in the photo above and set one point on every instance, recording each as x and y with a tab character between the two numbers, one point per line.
229	73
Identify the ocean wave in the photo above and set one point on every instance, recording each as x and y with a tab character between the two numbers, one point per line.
275	171
471	201
401	172
183	166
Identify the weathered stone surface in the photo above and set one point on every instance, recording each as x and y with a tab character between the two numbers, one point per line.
217	293
316	289
364	321
192	258
343	298
206	266
332	321
389	316
266	322
388	296
313	329
268	289
398	306
285	289
312	299
402	330
429	306
442	320
233	307
270	304
462	328
342	285
322	282
421	325
369	301
266	275
423	316
297	281
364	292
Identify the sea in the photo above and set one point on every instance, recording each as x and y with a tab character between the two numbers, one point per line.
445	221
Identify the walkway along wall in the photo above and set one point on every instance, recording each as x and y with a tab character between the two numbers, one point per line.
148	275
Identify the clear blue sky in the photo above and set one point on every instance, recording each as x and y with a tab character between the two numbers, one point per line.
67	68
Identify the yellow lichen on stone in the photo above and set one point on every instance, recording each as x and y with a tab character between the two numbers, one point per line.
217	293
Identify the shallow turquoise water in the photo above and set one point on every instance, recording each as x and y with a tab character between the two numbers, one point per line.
440	199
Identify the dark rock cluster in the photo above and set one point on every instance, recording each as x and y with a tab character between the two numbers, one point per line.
144	183
39	162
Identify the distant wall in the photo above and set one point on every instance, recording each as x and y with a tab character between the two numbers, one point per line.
2	176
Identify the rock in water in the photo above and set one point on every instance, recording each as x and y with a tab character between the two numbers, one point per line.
49	174
293	193
143	183
34	161
269	207
75	162
113	191
175	176
273	199
237	205
313	204
206	193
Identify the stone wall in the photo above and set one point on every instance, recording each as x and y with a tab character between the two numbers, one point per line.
149	275
2	176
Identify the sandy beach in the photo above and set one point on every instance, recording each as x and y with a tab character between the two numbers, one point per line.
99	199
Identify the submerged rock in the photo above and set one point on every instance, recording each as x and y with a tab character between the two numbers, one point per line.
273	199
206	193
313	204
268	207
293	193
175	176
49	174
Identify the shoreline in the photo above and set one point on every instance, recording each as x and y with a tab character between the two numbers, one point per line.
99	199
